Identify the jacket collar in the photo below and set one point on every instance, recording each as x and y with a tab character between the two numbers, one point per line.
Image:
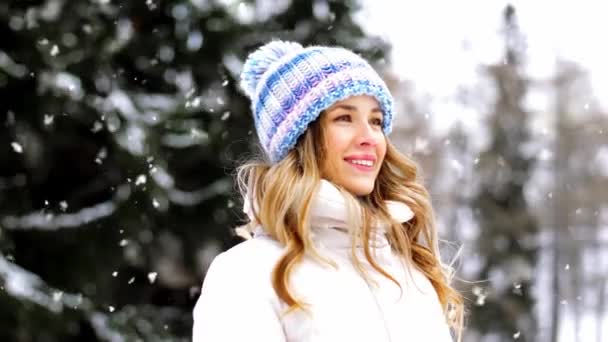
330	224
328	218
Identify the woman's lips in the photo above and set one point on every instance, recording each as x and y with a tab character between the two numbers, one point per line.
360	167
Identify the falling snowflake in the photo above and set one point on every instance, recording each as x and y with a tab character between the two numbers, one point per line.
54	50
481	295
48	119
141	179
63	205
114	274
516	335
194	103
152	277
97	126
17	147
111	308
101	155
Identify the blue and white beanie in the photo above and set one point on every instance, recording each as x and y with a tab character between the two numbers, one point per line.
289	86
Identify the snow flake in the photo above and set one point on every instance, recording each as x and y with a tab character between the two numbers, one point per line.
63	205
225	83
48	119
225	116
481	295
131	280
17	147
101	155
516	335
517	289
123	242
97	126
567	267
141	179
152	277
54	50
114	274
155	203
194	103
111	308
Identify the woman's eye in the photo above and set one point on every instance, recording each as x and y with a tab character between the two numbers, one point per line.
343	118
377	122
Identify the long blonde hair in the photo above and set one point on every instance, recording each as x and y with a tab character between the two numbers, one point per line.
283	195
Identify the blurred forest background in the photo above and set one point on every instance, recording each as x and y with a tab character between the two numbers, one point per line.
121	123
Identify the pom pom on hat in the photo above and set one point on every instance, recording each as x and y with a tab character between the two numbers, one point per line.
259	61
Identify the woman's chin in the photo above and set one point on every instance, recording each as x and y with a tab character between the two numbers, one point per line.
357	187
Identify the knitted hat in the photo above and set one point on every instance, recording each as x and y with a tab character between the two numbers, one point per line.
290	85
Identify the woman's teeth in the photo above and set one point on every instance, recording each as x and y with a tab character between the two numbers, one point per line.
362	162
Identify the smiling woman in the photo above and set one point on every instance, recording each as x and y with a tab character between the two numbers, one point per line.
354	142
344	244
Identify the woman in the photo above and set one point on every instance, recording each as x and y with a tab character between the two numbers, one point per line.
344	243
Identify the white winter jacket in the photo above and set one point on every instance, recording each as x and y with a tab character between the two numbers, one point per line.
238	302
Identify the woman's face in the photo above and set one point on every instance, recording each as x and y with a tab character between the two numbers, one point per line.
354	143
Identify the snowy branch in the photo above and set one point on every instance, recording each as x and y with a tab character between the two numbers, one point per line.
195	197
25	285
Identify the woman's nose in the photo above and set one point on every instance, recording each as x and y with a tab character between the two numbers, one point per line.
366	136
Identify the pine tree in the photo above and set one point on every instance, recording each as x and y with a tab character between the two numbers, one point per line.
507	241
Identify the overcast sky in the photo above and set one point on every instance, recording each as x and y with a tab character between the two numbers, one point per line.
441	44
